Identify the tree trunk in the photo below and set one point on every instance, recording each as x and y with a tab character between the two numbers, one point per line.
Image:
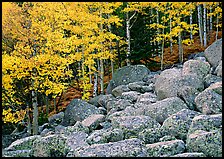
47	105
200	23
101	77
171	41
95	88
29	125
205	26
128	39
118	54
35	112
162	52
158	31
191	36
55	106
210	18
217	22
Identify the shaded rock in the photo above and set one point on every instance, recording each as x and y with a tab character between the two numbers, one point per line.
17	153
209	102
218	70
9	139
216	87
59	128
213	53
117	105
196	67
104	99
93	121
165	149
77	127
127	74
132	125
206	123
45	132
147	98
151	78
78	110
209	143
163	109
94	100
119	90
167	138
76	141
136	86
188	94
56	118
189	154
125	148
131	96
167	83
149	88
105	136
50	146
192	80
150	135
196	55
128	111
42	127
210	79
102	110
178	124
23	144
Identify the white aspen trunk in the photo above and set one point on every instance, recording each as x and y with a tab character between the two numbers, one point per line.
55	108
217	22
150	22
29	125
162	52
180	48
128	39
171	40
204	20
95	84
200	24
112	67
101	64
210	18
191	35
111	62
157	21
90	76
47	105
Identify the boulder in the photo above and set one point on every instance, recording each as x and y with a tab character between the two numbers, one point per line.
188	94
59	129
150	135
93	121
126	75
131	96
147	98
197	67
23	144
56	118
136	86
209	102
166	138
45	132
78	110
213	53
167	83
117	91
75	141
17	153
206	123
165	149
128	111
216	87
125	148
77	127
209	143
178	124
117	105
132	125
192	80
161	110
50	146
210	79
104	99
218	70
189	154
94	100
105	136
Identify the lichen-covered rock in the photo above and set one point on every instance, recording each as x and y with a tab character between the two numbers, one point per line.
119	90
188	94
167	138
125	148
192	80
136	86
206	123
117	105
167	83
126	75
210	79
213	53
93	121
209	143
56	118
23	144
209	102
178	124
163	109
78	110
42	127
149	88
104	99
132	125
50	146
216	87
196	67
59	129
105	136
77	127
45	132
189	154
17	153
150	135
128	111
76	141
147	98
218	70
131	96
165	149
94	100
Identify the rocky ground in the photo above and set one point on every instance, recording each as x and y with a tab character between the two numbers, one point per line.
172	113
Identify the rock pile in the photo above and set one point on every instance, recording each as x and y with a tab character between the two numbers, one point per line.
173	113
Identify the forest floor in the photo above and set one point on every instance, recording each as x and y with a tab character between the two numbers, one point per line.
169	59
